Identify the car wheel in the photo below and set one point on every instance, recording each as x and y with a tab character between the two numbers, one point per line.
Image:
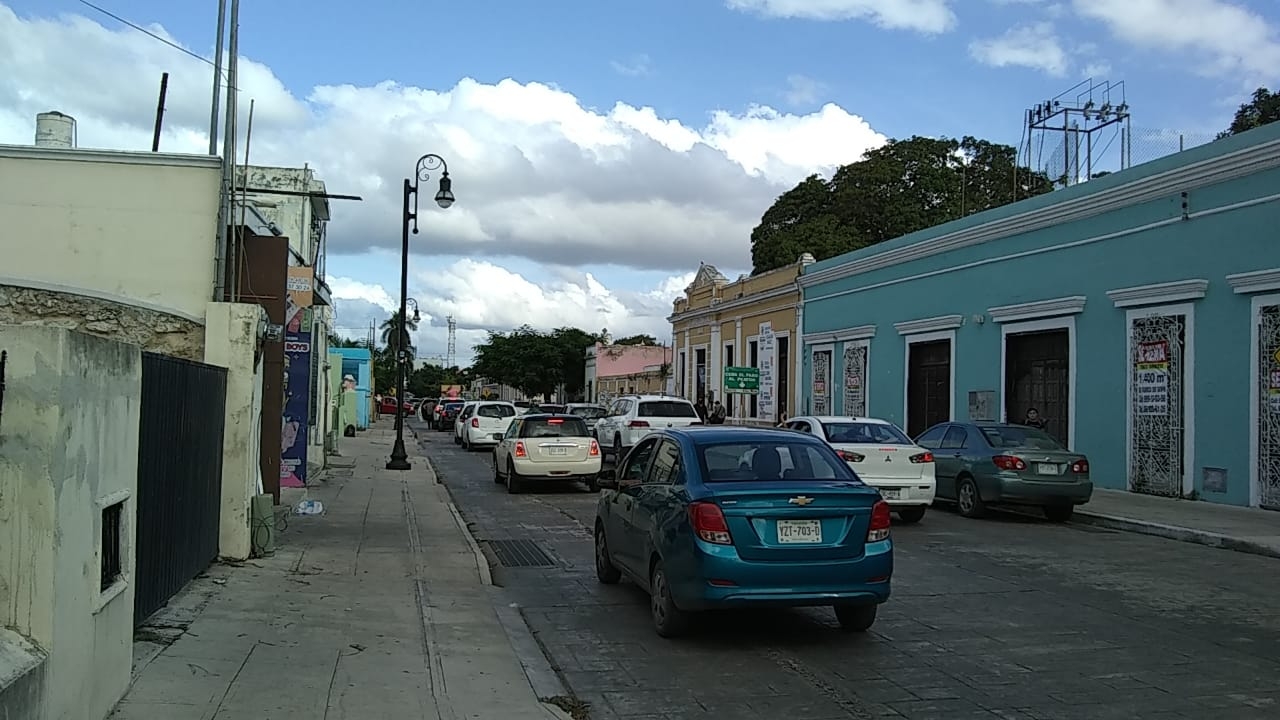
456	440
911	515
1059	513
617	449
856	618
497	476
592	484
968	499
669	620
606	571
514	485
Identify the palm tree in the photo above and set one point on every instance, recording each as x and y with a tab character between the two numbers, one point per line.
396	334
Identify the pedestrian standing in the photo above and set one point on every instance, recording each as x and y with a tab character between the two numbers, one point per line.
1033	419
718	413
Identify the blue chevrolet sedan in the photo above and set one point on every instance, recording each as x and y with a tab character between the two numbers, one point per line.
718	517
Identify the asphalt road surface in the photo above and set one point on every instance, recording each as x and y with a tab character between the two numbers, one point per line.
1009	617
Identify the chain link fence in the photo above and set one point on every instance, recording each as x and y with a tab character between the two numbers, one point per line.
1067	158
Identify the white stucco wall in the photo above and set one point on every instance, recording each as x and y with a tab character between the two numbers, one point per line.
231	341
61	463
132	227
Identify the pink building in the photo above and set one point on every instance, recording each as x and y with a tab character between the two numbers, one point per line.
614	370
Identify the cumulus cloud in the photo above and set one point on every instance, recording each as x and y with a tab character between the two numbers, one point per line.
1034	46
538	176
926	16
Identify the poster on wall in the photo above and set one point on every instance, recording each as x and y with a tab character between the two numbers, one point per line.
766	403
1273	394
1151	379
297	401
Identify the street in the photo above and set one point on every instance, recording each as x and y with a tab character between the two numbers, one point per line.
1007	617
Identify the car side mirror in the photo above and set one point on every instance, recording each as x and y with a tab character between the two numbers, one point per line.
607	478
499	436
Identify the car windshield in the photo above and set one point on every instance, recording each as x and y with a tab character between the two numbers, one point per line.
589	412
666	409
496	411
557	409
770	460
569	426
1016	436
865	433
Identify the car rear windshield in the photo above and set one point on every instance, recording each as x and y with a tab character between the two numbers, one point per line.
568	426
453	406
1016	436
666	409
771	460
592	412
865	432
496	411
551	408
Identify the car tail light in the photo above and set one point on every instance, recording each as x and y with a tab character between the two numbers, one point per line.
709	524
520	450
881	521
637	424
847	456
555	421
1080	466
924	457
475	422
595	449
1009	462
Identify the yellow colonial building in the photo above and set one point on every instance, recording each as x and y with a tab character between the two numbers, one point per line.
747	323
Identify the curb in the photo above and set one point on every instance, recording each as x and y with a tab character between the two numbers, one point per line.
543	678
1175	532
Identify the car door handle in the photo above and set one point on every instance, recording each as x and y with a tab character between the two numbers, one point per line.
958	455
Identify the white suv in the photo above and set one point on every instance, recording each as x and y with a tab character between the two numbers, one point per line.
482	423
632	417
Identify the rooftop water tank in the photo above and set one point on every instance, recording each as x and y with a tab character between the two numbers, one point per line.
55	130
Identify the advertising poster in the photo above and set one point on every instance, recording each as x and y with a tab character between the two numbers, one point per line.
1151	379
766	403
297	400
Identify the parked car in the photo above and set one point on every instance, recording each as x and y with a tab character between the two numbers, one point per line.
460	421
485	425
883	456
984	464
387	405
633	417
448	414
542	447
719	517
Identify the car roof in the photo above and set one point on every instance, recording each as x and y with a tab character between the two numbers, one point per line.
491	402
715	434
544	416
843	418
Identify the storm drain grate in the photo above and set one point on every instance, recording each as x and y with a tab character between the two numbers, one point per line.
520	553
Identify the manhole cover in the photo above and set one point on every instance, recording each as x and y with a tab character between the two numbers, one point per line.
520	553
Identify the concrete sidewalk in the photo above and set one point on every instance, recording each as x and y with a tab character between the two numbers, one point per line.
1225	526
375	609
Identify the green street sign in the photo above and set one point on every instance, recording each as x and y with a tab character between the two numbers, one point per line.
744	380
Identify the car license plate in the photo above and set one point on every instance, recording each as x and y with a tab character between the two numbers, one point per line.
1047	469
891	493
799	532
558	451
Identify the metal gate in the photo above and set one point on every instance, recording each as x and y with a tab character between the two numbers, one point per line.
855	379
821	384
1038	375
928	385
1269	407
1157	345
179	476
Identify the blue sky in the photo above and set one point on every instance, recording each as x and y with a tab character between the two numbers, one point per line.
600	209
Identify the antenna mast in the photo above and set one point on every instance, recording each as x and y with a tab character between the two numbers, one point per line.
450	358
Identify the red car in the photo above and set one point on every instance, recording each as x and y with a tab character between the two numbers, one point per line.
387	406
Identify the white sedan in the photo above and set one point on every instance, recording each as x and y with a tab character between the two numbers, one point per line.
543	447
883	456
486	421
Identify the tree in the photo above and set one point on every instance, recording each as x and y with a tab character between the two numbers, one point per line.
1263	108
397	333
535	362
645	340
338	341
899	188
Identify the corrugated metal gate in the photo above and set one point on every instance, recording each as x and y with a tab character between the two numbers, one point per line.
179	476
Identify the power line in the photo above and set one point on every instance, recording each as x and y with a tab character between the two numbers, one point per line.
146	32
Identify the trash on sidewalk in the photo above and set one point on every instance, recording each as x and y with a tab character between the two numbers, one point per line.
309	507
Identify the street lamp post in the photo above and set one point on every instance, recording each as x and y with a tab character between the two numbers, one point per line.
427	164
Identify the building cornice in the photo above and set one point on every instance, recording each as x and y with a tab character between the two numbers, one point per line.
1176	180
861	332
1258	281
927	325
735	303
1039	309
1159	294
121	157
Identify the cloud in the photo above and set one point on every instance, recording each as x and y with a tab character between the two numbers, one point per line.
1226	39
925	16
1034	46
536	173
637	66
803	90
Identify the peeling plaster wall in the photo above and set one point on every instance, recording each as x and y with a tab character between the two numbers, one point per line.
151	330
